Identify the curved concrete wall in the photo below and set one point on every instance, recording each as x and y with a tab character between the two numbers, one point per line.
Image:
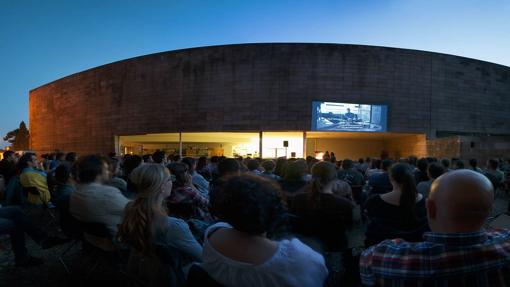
252	87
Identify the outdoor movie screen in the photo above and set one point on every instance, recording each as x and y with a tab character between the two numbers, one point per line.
344	117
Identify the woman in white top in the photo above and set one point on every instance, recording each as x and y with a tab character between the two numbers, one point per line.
237	252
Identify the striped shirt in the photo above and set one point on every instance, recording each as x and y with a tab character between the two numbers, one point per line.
443	259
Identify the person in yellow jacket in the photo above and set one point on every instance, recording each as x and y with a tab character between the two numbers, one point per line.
32	176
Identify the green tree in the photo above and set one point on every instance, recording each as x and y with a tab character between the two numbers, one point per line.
19	138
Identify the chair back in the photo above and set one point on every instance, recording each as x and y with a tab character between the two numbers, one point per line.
70	226
96	228
183	210
164	268
97	235
381	229
14	193
198	277
328	228
357	190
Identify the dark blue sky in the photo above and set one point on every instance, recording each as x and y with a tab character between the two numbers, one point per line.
41	41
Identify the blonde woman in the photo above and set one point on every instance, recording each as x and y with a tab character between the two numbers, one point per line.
152	234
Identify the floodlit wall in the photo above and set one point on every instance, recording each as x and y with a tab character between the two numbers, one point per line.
266	87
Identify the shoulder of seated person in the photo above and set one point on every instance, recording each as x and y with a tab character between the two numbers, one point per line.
390	244
102	187
296	248
118	179
109	188
374	198
177	221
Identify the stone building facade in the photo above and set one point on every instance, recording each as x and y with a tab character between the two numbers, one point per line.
270	87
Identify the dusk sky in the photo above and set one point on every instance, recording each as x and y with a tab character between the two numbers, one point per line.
42	41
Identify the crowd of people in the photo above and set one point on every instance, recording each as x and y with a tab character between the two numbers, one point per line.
254	222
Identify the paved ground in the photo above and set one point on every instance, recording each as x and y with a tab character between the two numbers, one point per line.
52	273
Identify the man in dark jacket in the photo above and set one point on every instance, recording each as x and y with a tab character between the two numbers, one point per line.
8	165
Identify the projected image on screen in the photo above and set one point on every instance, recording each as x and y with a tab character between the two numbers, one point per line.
329	116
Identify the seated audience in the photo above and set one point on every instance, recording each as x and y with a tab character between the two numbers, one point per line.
174	158
459	164
294	179
350	174
362	165
365	166
197	179
242	166
226	168
237	252
445	162
8	166
65	187
412	161
34	179
269	167
152	234
505	165
400	212
59	158
253	167
15	223
185	201
128	165
473	165
212	167
420	174
454	162
93	201
458	251
147	158
374	168
159	157
326	156
202	168
281	166
70	158
496	176
380	182
333	158
115	175
434	171
325	210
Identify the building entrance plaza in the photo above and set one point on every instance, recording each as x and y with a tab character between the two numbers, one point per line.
290	144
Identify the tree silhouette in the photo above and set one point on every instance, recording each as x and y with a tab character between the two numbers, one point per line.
19	138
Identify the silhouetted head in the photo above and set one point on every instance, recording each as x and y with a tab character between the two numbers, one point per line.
459	201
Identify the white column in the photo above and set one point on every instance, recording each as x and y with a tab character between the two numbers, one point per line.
180	144
304	144
260	144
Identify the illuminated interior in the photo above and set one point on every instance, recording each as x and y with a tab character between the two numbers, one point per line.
228	144
231	144
273	144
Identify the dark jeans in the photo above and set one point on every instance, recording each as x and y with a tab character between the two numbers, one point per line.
15	222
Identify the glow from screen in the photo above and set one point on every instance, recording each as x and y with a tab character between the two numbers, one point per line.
348	117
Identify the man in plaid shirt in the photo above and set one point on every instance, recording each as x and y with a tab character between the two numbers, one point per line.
458	252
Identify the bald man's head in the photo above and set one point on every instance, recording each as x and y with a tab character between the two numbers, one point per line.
459	201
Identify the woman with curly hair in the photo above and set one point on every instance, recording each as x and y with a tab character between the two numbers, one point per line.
152	234
238	252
